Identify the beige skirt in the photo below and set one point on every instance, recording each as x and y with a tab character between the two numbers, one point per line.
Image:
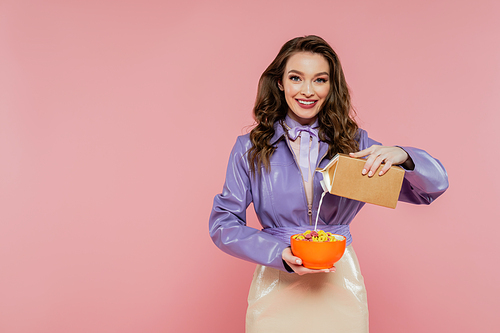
320	302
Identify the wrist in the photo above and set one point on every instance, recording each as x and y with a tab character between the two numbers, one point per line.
287	267
285	264
408	163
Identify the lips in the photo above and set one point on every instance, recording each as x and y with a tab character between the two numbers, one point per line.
306	103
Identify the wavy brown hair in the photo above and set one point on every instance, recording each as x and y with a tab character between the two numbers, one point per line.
336	124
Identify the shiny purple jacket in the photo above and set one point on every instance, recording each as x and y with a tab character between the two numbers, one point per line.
280	201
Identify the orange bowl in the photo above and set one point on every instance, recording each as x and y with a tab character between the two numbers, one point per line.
318	255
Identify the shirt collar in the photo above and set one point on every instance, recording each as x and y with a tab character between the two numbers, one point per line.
280	130
292	123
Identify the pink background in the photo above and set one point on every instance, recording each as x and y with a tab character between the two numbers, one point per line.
117	119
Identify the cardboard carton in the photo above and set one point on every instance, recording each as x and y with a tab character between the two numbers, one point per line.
342	177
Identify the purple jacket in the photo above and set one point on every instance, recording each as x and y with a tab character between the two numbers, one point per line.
280	201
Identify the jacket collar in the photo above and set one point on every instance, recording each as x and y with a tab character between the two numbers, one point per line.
279	131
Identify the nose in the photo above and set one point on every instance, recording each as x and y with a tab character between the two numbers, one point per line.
307	89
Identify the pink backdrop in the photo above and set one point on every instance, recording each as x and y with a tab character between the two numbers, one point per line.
116	121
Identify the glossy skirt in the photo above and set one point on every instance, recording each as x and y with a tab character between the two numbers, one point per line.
321	302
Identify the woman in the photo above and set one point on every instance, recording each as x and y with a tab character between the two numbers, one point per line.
303	115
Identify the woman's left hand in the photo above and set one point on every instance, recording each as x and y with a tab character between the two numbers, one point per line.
383	154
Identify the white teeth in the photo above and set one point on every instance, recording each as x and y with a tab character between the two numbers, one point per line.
306	102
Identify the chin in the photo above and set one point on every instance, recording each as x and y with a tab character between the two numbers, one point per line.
306	119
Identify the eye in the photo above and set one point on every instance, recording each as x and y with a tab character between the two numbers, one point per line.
294	78
321	80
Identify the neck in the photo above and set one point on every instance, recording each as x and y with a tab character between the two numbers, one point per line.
290	122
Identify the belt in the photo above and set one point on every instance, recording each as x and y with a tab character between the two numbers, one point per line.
284	233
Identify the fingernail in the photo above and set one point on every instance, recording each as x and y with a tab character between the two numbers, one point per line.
298	261
363	172
370	174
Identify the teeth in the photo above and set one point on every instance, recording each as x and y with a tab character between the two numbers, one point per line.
306	102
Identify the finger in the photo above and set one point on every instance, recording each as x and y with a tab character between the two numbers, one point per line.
330	270
361	153
385	168
369	164
290	258
301	270
364	152
325	270
374	167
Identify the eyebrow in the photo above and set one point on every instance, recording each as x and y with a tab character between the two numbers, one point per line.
299	72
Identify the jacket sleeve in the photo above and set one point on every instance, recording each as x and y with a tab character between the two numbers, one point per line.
227	223
426	182
423	184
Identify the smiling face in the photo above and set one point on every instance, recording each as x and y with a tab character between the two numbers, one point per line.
306	84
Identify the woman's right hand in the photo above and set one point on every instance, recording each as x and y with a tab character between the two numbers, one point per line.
296	264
